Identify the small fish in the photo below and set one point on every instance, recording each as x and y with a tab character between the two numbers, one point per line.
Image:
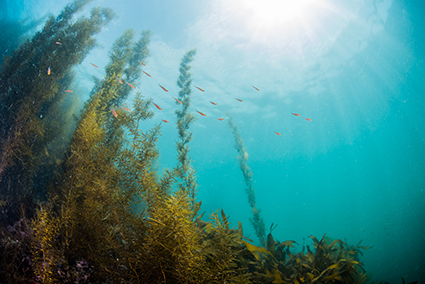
157	106
131	85
203	114
45	151
239	99
114	113
163	88
142	63
166	121
58	42
48	70
68	91
119	80
94	65
256	88
178	101
147	74
296	114
278	133
213	103
221	119
202	90
308	119
103	80
125	108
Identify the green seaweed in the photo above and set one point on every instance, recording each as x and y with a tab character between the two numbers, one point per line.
331	261
256	220
185	171
28	93
100	213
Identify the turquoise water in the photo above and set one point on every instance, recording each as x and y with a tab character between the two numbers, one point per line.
356	171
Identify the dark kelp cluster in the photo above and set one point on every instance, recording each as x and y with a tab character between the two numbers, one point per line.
13	34
81	202
30	99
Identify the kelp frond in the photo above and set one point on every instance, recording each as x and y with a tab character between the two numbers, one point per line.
33	80
185	171
256	220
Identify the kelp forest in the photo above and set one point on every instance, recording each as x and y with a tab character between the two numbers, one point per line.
81	201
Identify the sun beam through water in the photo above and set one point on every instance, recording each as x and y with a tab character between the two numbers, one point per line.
272	13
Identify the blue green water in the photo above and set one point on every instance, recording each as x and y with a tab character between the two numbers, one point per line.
356	171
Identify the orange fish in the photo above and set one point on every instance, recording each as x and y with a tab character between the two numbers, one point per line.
296	114
125	108
178	101
239	99
157	106
308	119
147	74
202	90
256	88
130	85
113	112
119	80
278	133
166	121
68	91
163	88
213	103
203	114
142	63
221	119
94	65
58	42
48	71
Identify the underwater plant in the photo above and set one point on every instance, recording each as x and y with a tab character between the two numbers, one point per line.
32	81
102	174
331	261
13	34
106	215
16	265
225	251
185	171
256	220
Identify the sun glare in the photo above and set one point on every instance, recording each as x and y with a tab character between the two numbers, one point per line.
271	13
276	27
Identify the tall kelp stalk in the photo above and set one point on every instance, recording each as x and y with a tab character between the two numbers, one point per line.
137	52
185	171
30	82
102	174
256	221
101	182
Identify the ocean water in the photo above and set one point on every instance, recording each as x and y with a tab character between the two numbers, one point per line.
356	171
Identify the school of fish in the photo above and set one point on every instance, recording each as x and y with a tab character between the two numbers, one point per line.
114	113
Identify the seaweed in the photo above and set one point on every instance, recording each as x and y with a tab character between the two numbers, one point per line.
185	171
103	173
15	246
99	212
224	251
331	261
27	93
256	220
15	33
